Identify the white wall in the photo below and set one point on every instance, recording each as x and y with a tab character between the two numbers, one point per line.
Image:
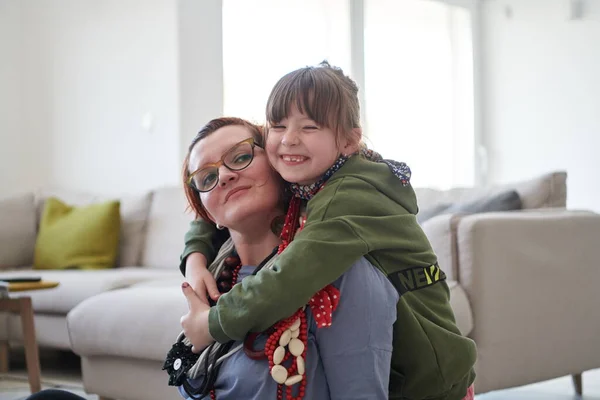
113	62
200	66
90	70
20	148
78	77
541	93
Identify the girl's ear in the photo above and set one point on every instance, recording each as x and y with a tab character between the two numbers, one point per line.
352	145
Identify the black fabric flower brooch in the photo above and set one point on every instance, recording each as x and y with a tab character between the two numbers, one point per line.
178	362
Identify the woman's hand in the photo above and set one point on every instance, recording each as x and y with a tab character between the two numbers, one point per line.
195	322
201	279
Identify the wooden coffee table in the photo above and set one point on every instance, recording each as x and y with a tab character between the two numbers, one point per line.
22	306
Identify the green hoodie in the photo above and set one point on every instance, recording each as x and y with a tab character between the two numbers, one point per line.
363	210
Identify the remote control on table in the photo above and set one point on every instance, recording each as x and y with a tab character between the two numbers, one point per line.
22	279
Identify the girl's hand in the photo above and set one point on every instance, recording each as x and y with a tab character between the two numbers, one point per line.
200	278
195	322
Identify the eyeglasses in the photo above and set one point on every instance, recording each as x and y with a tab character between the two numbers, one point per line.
236	158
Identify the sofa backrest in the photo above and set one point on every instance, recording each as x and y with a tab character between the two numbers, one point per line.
153	225
168	221
17	231
546	191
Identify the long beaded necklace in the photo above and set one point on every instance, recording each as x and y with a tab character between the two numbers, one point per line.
291	334
289	337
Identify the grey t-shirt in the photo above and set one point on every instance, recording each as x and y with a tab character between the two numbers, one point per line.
349	360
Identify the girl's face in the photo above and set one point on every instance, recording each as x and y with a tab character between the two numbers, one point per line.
240	197
300	150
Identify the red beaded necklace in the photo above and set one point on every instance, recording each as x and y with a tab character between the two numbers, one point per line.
289	336
287	332
277	342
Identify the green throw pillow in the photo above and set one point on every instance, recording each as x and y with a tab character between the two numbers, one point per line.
78	237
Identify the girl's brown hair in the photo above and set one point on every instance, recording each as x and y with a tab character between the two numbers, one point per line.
324	93
191	194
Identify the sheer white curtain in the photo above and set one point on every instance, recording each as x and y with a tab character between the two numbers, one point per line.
265	39
419	88
418	72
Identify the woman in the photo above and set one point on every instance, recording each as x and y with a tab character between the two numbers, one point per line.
236	188
349	359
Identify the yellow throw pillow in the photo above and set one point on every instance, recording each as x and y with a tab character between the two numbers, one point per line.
78	237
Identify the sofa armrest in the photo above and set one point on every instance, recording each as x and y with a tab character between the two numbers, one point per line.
441	232
532	281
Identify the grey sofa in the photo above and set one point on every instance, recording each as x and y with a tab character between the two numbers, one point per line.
521	286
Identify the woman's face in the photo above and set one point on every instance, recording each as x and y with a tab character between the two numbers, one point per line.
239	196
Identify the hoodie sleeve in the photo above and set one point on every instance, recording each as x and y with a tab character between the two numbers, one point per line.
202	237
348	219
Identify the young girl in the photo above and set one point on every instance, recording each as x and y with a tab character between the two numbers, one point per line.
356	205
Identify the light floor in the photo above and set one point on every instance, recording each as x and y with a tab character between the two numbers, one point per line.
556	389
61	370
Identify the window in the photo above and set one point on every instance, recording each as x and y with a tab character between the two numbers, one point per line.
413	63
265	39
419	88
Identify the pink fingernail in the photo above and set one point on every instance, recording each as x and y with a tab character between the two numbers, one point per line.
185	285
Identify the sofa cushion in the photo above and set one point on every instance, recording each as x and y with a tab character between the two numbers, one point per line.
17	231
84	237
173	281
168	222
427	213
78	285
150	323
545	191
134	215
145	329
504	201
